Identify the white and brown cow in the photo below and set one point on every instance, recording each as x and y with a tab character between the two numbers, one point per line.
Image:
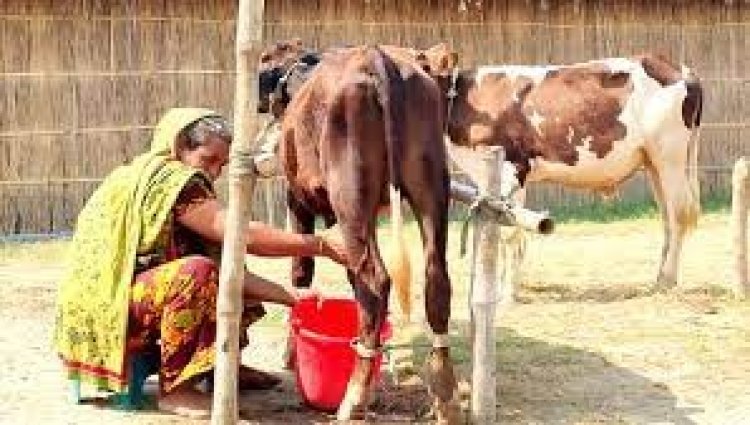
588	125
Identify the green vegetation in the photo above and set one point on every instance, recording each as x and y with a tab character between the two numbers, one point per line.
616	210
47	252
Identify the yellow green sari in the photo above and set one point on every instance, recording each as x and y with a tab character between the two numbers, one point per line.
123	217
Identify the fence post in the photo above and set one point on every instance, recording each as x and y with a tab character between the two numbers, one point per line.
241	182
740	204
483	297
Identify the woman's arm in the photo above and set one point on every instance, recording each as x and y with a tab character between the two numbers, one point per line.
259	289
208	220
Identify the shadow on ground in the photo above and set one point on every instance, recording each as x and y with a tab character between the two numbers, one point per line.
543	382
545	292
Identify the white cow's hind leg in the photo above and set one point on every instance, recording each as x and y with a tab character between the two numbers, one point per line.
682	211
658	193
672	153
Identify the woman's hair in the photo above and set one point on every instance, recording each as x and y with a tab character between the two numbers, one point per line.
197	133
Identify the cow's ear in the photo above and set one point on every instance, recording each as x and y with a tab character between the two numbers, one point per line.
449	61
423	62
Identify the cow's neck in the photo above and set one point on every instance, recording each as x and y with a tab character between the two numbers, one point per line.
458	113
470	124
293	80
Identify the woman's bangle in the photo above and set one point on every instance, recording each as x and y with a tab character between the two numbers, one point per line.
319	244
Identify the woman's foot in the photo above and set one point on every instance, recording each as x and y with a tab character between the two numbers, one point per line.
249	379
254	379
186	402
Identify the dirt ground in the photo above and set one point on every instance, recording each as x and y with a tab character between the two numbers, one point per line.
585	342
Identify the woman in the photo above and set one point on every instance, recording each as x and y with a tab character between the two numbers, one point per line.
144	266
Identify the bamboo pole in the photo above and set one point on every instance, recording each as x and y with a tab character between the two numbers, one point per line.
483	299
241	182
740	205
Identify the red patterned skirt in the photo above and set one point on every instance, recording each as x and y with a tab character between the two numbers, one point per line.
173	307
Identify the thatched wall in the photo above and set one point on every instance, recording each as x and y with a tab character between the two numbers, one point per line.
82	82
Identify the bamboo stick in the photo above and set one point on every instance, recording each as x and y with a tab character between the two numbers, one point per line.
483	301
241	182
740	205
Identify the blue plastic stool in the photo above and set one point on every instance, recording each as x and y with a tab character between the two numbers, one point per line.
140	367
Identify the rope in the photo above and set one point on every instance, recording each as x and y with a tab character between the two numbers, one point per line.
471	215
242	164
278	92
451	94
362	351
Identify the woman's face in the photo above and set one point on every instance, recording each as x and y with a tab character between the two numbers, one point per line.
211	156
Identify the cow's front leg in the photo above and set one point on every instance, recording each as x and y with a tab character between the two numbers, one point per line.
371	289
301	220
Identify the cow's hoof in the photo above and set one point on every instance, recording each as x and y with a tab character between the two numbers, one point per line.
354	404
350	413
664	284
742	293
443	387
447	413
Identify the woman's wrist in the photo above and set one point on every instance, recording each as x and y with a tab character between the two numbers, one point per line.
321	245
318	245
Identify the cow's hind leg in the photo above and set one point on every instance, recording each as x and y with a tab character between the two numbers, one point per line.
371	285
431	209
672	153
682	211
353	145
658	193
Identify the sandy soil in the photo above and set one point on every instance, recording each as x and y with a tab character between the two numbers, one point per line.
585	343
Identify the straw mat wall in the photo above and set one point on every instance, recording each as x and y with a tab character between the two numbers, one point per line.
83	82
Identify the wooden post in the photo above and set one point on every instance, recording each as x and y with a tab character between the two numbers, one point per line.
740	205
483	299
270	202
241	182
505	214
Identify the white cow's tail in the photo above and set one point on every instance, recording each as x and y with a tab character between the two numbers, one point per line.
695	186
693	107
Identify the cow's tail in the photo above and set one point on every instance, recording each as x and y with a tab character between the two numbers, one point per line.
390	90
693	105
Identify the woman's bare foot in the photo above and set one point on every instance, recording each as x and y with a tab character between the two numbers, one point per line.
249	379
254	379
187	402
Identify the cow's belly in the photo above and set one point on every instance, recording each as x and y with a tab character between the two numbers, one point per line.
590	172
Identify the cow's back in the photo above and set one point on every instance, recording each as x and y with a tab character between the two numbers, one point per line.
569	123
303	146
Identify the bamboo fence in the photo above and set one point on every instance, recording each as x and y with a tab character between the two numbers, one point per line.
82	82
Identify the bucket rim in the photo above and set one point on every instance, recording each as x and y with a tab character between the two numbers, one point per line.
386	329
385	334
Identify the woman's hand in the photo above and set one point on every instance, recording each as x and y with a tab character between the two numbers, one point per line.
301	294
332	246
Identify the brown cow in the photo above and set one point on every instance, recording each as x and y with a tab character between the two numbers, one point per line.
342	145
589	125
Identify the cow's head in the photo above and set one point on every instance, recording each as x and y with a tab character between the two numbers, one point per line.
277	64
438	61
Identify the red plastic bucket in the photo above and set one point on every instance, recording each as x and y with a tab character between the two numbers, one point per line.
323	356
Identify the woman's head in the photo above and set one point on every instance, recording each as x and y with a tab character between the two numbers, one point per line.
204	144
